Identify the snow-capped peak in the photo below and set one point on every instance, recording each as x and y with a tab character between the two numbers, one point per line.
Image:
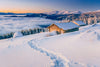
97	11
94	11
76	12
58	12
64	12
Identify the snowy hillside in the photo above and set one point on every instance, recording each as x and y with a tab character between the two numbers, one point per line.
80	48
77	49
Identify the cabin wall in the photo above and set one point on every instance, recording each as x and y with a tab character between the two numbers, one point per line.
72	30
82	25
55	28
62	31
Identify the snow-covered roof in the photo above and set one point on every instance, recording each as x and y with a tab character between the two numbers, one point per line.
80	22
66	26
44	26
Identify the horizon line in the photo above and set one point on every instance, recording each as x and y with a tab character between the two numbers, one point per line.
37	11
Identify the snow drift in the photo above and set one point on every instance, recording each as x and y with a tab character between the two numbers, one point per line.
91	35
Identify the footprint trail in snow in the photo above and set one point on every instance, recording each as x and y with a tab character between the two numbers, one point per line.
58	60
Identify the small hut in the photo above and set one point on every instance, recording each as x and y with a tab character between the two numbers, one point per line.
63	27
79	23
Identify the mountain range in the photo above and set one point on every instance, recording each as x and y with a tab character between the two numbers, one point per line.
58	15
64	12
3	13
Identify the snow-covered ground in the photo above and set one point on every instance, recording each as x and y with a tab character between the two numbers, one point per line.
76	49
17	53
13	24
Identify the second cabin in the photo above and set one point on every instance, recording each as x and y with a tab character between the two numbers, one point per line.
63	27
79	23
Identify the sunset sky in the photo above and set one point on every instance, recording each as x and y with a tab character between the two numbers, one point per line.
38	6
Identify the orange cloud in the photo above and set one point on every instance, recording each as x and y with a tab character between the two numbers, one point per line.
23	11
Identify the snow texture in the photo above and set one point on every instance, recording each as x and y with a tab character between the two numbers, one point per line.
58	59
52	33
15	52
92	35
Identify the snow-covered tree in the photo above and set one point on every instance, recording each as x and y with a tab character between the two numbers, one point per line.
17	34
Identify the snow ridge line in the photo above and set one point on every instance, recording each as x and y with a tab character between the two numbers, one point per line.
58	60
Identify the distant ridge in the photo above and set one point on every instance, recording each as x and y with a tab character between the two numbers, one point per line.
3	13
64	12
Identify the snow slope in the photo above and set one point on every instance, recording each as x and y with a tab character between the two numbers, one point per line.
78	47
65	50
17	53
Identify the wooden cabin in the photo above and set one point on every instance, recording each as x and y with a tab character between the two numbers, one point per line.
79	23
63	27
